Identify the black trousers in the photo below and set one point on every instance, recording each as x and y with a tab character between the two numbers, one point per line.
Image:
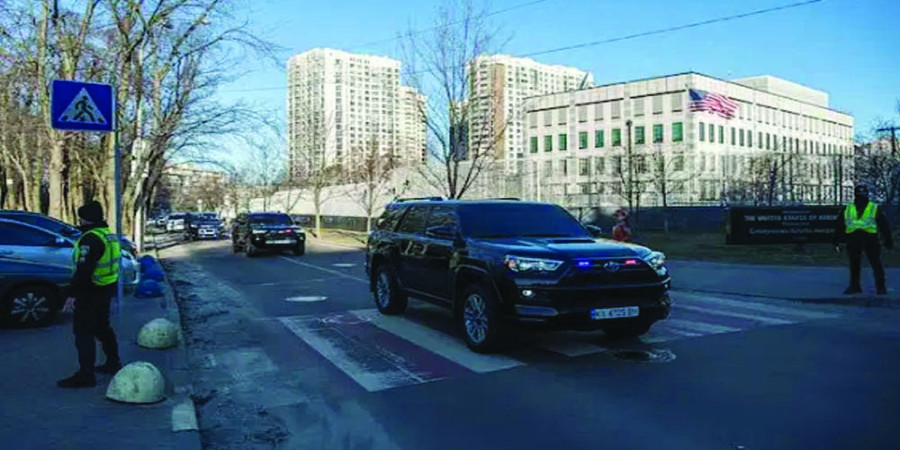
857	243
91	321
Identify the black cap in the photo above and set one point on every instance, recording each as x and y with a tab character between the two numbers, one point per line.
861	189
91	212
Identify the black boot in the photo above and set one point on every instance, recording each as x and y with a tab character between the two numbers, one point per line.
109	368
852	290
881	291
79	380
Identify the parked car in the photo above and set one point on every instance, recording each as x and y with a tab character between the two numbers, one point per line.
175	223
502	263
255	232
60	229
202	226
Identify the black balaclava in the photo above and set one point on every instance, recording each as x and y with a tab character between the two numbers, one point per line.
861	197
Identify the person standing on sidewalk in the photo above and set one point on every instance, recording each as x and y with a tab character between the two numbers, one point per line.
861	223
89	294
622	231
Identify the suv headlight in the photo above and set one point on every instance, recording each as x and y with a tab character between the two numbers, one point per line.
657	260
522	264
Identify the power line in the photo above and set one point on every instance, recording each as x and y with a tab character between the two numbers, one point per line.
610	40
438	27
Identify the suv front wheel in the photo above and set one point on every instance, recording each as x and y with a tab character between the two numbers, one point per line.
388	297
482	325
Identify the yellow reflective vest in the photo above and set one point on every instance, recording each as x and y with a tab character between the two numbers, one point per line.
107	271
865	223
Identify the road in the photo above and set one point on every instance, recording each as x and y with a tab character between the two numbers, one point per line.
290	350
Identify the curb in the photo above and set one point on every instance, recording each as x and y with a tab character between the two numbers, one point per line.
867	301
184	414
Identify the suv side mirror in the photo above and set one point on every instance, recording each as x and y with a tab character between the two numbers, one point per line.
442	232
595	231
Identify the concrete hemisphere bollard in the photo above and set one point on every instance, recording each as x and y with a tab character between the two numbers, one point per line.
139	383
158	334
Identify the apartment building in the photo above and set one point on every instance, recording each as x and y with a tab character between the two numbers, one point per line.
339	103
413	130
588	147
499	86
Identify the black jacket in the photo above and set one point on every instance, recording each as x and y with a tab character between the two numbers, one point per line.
884	228
92	249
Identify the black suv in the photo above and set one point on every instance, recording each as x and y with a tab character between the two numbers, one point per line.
500	263
202	226
254	232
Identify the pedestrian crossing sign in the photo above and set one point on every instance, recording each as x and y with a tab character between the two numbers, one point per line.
82	106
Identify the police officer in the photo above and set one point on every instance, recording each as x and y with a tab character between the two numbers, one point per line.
93	286
861	222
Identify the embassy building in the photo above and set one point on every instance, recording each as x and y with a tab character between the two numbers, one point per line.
687	139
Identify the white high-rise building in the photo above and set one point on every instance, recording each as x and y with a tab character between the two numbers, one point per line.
499	86
339	104
413	130
783	142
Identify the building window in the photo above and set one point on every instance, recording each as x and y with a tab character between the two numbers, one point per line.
561	119
733	136
584	166
616	137
616	109
548	168
598	139
768	141
582	113
749	138
677	132
702	132
534	144
563	141
638	107
657	104
678	163
548	118
760	139
721	134
598	165
598	111
639	135
712	133
582	139
532	120
548	143
741	137
657	133
676	101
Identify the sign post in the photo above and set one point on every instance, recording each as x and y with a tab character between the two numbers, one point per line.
90	107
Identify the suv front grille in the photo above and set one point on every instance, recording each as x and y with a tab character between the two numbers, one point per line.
612	271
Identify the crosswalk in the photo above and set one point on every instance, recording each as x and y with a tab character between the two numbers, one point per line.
381	352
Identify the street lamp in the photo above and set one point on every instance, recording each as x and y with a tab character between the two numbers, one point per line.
630	187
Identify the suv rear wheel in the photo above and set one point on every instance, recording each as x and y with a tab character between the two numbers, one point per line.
482	325
300	249
388	297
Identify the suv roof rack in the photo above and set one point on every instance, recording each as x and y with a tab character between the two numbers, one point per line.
505	198
411	199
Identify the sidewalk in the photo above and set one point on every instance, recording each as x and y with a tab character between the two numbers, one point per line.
806	284
38	414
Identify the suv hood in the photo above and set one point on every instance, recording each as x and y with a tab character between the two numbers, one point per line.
566	248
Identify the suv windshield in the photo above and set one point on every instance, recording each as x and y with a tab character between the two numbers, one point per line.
523	220
271	219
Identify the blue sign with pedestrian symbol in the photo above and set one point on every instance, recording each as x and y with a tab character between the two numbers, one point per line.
81	106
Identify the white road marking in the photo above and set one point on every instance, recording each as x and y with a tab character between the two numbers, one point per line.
701	327
354	365
306	299
184	417
344	265
719	312
436	342
333	272
755	306
336	245
568	346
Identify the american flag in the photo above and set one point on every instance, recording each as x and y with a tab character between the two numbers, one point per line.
712	102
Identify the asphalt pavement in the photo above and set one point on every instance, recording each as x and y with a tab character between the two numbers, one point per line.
289	352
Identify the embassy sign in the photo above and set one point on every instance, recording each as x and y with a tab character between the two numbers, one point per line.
789	225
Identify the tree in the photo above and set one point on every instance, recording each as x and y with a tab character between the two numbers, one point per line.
669	172
441	65
370	181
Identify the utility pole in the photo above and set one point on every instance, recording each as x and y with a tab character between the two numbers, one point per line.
630	188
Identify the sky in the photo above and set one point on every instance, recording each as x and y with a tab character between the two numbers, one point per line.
847	48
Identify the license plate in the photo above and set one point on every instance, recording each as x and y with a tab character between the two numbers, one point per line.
615	313
282	241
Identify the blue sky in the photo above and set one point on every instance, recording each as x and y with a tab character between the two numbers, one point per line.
848	48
